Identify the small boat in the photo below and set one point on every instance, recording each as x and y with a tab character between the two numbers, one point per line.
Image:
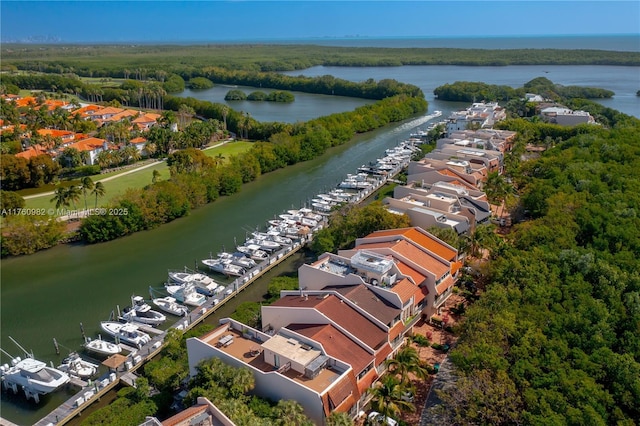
238	258
224	267
272	236
203	283
267	245
32	376
171	306
186	293
74	365
127	333
140	311
254	252
102	347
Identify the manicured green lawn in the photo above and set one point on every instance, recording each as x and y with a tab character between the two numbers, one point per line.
139	179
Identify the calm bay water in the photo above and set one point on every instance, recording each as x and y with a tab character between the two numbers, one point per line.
48	294
623	81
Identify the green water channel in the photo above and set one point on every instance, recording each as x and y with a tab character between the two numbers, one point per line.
47	295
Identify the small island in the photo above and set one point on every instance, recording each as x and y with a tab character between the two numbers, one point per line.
282	96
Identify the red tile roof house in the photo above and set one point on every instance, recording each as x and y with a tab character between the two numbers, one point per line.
285	365
93	146
139	142
146	121
416	250
326	344
204	413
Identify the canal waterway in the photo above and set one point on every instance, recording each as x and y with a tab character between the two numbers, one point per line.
47	295
50	293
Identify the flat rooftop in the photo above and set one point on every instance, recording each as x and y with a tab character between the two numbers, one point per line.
250	352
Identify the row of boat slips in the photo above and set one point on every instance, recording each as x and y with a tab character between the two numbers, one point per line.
193	296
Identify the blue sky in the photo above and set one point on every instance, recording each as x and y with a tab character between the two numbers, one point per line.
184	21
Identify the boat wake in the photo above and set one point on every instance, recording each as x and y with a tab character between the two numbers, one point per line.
417	122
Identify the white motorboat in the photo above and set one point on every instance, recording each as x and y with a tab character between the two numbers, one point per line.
273	236
140	311
203	283
127	333
254	252
267	245
32	376
171	306
102	347
224	267
238	258
186	293
74	365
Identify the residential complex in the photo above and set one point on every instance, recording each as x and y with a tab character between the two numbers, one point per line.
325	344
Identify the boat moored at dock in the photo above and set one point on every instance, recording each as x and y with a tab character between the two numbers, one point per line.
140	311
74	365
102	347
34	377
127	333
171	306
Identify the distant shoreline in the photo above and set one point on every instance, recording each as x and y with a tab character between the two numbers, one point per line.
613	42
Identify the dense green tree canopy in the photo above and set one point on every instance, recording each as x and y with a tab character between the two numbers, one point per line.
554	340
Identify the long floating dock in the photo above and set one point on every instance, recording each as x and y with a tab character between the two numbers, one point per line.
92	391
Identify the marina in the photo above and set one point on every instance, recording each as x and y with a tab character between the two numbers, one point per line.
297	227
280	241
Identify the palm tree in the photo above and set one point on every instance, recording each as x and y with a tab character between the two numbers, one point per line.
86	185
99	191
339	419
406	361
150	148
497	189
225	112
291	413
185	113
73	194
243	382
218	160
387	397
131	153
60	197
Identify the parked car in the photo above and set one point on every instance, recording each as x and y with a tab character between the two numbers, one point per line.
376	418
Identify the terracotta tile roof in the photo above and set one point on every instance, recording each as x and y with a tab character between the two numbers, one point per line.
138	140
336	344
57	133
447	172
396	330
370	302
32	151
445	284
108	111
407	270
383	353
89	144
342	315
365	382
184	416
344	394
147	118
27	100
424	239
405	289
87	111
411	252
121	115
